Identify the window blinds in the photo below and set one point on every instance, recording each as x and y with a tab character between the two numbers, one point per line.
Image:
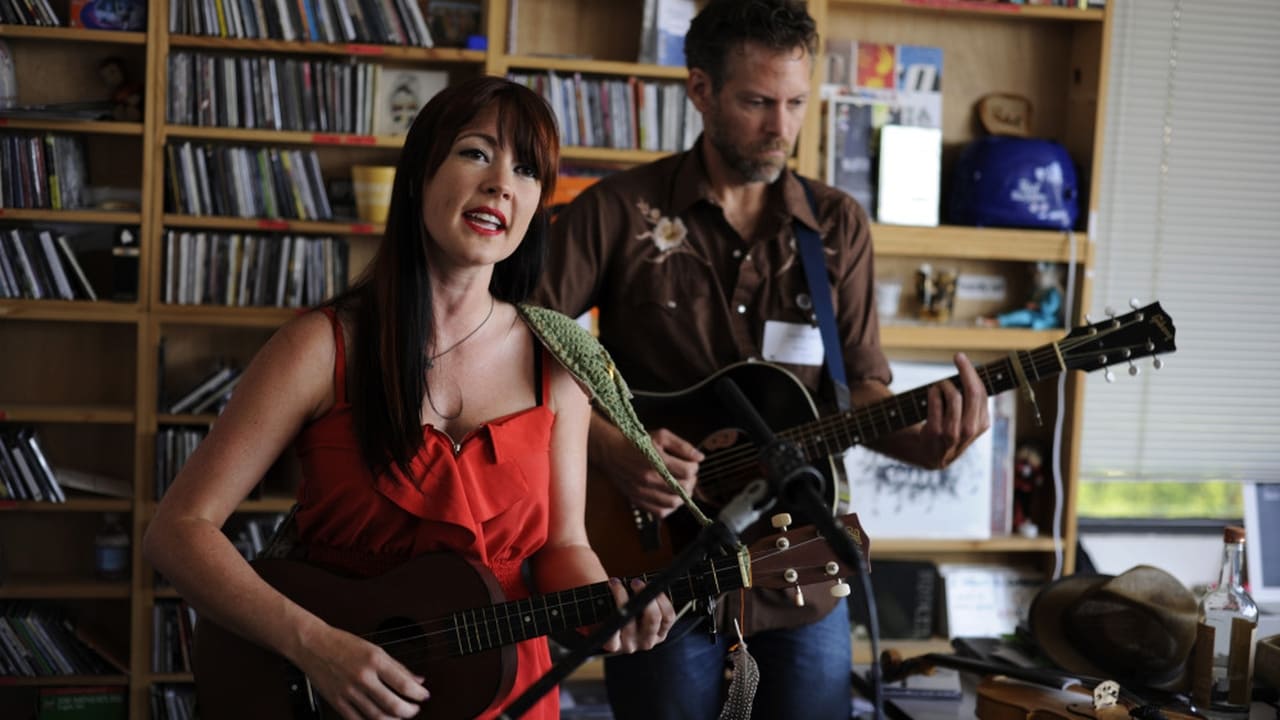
1190	215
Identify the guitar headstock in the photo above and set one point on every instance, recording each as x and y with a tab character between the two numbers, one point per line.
1142	333
802	556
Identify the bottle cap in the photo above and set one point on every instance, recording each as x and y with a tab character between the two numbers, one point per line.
1233	534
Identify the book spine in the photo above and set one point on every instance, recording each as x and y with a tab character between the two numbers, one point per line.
28	436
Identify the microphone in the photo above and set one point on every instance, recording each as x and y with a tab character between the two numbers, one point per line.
798	484
794	480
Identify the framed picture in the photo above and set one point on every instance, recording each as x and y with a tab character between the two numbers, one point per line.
453	21
400	94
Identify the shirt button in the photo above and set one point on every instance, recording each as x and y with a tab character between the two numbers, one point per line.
737	254
671	304
742	309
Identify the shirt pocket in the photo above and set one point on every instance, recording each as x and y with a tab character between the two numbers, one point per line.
673	298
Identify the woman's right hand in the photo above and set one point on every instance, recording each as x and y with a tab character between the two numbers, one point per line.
359	679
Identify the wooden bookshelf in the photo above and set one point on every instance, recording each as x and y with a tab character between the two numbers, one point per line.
280	137
94	127
99	373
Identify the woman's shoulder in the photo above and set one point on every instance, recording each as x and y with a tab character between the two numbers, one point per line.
569	341
580	353
306	341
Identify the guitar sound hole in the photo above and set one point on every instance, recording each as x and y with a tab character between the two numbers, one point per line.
721	439
404	640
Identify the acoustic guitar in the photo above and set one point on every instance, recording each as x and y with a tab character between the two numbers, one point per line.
445	618
629	540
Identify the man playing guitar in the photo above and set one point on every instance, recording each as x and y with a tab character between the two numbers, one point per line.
692	263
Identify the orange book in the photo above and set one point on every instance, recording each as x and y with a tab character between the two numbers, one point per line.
569	186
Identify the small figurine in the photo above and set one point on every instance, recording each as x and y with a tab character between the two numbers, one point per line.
1028	477
8	79
1043	310
126	96
936	292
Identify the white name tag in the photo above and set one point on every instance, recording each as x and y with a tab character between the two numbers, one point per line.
793	343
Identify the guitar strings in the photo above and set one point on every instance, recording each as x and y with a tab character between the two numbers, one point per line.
447	625
436	651
725	468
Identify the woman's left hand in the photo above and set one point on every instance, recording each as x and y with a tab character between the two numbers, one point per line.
648	628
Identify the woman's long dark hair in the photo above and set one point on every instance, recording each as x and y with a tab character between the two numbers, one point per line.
391	303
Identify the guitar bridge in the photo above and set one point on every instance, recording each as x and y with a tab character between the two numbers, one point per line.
648	528
302	697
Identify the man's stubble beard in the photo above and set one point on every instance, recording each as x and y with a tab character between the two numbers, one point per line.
748	169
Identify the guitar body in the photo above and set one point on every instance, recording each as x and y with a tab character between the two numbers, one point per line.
240	680
628	540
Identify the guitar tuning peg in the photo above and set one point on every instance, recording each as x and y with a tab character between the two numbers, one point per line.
793	577
1133	369
1157	363
1135	303
1088	319
1110	311
1110	376
840	589
781	521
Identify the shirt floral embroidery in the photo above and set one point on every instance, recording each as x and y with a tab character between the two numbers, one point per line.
667	233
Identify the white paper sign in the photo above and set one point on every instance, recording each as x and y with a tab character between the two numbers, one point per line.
981	287
794	343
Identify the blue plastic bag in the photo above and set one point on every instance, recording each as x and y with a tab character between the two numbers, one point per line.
1014	182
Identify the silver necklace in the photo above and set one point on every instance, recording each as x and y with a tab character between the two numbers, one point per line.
431	360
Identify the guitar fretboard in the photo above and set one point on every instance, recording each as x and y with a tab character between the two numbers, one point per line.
493	626
833	434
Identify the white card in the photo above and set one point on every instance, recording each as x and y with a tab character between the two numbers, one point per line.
792	343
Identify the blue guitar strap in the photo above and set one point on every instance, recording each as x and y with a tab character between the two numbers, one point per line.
815	271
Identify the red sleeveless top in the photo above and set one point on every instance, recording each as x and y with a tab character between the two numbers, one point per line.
485	498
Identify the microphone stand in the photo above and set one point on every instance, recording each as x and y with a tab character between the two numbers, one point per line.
796	484
736	516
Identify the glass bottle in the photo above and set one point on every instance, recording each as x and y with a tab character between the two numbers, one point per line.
111	549
1233	616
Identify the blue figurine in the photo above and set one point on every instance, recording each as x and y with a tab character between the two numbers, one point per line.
1044	309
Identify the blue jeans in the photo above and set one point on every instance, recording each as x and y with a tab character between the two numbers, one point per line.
804	673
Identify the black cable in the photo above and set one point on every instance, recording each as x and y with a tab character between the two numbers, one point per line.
873	629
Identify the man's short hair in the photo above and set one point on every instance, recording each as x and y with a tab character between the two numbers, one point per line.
725	25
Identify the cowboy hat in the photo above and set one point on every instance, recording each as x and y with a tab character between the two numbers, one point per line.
1137	627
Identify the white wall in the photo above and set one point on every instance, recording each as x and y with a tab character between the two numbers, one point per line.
1193	559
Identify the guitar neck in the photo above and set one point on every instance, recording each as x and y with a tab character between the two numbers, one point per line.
833	434
485	628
